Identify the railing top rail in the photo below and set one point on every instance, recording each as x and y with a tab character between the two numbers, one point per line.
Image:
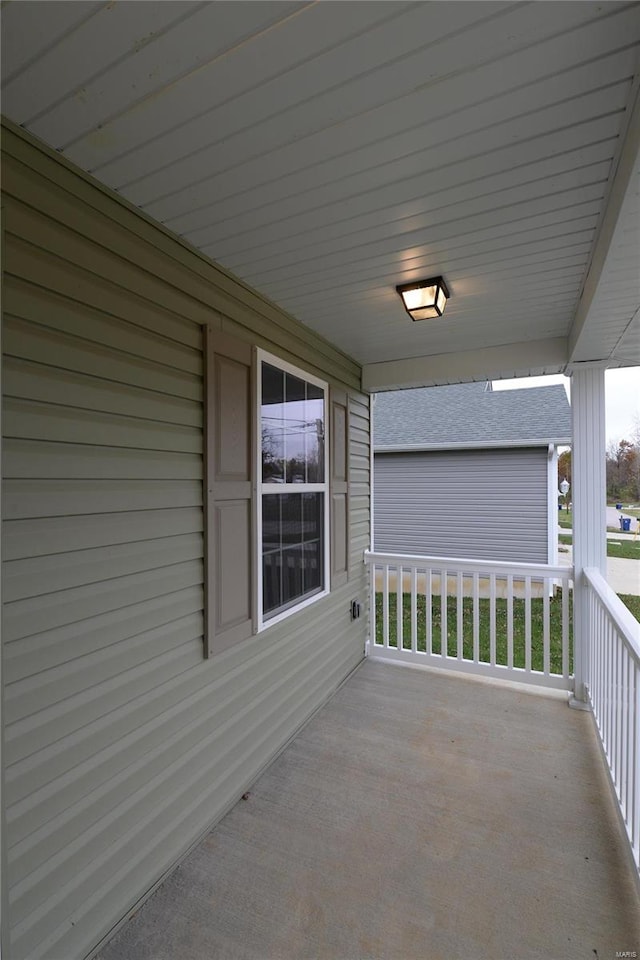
500	567
622	618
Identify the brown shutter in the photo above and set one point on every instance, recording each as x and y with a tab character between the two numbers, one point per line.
339	487
229	507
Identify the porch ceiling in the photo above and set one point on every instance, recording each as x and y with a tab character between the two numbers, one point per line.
324	152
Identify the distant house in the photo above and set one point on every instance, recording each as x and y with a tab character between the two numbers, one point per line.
465	471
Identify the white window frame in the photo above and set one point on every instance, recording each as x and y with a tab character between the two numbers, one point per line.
262	488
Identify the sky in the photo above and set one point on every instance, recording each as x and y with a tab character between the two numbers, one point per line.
622	397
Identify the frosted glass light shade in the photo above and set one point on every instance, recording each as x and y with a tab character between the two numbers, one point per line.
424	299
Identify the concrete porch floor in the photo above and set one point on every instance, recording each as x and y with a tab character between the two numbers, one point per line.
417	816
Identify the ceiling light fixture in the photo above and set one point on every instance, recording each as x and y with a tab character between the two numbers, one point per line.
424	299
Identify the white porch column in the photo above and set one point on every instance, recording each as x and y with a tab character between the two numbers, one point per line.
552	505
588	494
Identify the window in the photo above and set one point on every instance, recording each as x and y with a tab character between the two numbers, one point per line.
292	489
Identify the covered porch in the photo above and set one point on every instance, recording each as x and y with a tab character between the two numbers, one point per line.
417	814
187	188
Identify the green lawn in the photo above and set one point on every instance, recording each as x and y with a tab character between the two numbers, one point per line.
623	549
633	603
565	519
484	628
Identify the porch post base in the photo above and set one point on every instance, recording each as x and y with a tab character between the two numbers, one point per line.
579	704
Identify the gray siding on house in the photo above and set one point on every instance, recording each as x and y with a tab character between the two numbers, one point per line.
480	504
123	744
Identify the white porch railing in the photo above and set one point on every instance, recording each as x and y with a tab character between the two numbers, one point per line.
613	689
505	620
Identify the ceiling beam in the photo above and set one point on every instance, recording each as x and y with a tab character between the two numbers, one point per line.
532	357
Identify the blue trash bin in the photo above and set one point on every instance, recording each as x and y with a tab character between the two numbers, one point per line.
625	523
618	506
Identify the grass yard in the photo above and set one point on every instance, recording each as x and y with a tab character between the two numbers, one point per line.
633	603
565	519
623	549
484	616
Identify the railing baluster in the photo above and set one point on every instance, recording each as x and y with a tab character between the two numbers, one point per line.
476	618
372	605
546	629
414	609
609	648
428	598
399	607
624	731
527	624
510	621
443	613
635	818
632	746
385	605
459	609
492	619
565	629
618	716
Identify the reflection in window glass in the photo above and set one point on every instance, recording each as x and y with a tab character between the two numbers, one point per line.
314	416
295	429
292	441
271	423
292	548
292	428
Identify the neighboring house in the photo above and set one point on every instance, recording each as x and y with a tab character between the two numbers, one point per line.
465	471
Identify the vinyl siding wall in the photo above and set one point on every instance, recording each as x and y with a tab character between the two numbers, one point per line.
479	504
122	743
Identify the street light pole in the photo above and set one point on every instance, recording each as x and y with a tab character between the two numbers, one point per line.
564	490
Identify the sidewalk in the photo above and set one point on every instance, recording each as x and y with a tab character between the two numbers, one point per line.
564	531
613	519
623	576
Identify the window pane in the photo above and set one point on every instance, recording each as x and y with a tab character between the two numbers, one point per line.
272	424
295	429
312	541
292	555
292	588
291	507
314	418
271	553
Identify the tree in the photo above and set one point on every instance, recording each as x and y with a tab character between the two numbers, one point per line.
564	465
623	470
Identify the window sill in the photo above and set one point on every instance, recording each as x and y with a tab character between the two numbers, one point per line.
280	617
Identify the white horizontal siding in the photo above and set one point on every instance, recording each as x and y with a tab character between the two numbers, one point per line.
119	735
486	505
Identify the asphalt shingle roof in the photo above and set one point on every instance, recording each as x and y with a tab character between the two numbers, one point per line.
471	413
